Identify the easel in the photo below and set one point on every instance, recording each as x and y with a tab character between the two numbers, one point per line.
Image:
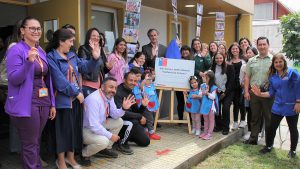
171	113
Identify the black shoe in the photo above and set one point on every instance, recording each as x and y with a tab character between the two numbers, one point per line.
225	132
292	154
217	129
108	153
124	148
250	142
85	161
158	125
265	150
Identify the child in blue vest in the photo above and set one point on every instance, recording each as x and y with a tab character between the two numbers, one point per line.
149	90
209	106
192	105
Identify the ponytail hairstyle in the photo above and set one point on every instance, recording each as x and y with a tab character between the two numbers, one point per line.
58	36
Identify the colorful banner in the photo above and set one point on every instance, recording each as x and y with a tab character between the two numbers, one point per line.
219	27
199	19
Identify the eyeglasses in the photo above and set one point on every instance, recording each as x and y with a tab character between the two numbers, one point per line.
35	29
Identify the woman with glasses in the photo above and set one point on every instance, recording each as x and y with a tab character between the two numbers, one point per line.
65	66
30	101
92	81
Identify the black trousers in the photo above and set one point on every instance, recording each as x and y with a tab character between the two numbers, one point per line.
292	123
238	105
225	114
137	135
180	104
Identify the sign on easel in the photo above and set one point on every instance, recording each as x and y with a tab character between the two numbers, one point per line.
172	75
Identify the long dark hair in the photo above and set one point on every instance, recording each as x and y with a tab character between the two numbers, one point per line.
223	65
212	79
119	40
211	54
192	44
59	35
229	53
88	36
272	69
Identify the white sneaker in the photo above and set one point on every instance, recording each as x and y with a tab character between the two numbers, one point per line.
247	135
193	131
235	126
197	132
243	124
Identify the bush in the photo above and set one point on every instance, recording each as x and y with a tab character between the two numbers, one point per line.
290	28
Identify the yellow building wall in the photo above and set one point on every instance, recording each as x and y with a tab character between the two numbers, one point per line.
208	29
66	11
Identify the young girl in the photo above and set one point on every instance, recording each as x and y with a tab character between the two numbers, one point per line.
149	91
209	106
193	105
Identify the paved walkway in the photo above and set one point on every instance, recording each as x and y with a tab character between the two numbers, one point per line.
175	147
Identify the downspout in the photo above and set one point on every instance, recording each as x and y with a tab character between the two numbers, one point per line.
237	27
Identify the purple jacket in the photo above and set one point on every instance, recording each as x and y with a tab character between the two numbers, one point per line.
20	74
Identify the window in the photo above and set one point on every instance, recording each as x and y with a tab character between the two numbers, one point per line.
105	19
263	11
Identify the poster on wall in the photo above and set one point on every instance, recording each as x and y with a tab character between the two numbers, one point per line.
132	19
220	16
220	26
199	20
130	35
198	30
131	50
219	35
168	71
133	6
199	9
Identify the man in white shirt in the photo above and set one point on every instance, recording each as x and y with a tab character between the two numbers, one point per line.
102	121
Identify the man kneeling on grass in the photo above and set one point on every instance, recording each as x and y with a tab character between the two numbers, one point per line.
102	121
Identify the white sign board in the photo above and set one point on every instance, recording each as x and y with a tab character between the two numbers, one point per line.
173	73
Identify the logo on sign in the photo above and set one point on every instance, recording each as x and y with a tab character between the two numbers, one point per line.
163	62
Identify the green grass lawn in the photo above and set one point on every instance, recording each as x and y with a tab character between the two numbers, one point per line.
241	156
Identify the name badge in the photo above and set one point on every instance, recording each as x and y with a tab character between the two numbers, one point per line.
43	92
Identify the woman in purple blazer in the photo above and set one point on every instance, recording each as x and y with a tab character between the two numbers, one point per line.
30	101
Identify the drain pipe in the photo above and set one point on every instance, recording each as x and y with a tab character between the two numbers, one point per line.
237	27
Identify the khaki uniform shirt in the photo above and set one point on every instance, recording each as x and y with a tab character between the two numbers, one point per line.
257	69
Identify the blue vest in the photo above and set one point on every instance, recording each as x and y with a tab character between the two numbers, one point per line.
207	102
192	105
153	104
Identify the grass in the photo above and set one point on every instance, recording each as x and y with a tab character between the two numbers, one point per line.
241	156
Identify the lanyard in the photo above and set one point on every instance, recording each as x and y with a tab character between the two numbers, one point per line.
105	105
39	60
73	73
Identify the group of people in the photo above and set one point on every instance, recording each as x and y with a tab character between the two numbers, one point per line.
255	81
93	104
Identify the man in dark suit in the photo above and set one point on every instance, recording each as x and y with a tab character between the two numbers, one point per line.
153	49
